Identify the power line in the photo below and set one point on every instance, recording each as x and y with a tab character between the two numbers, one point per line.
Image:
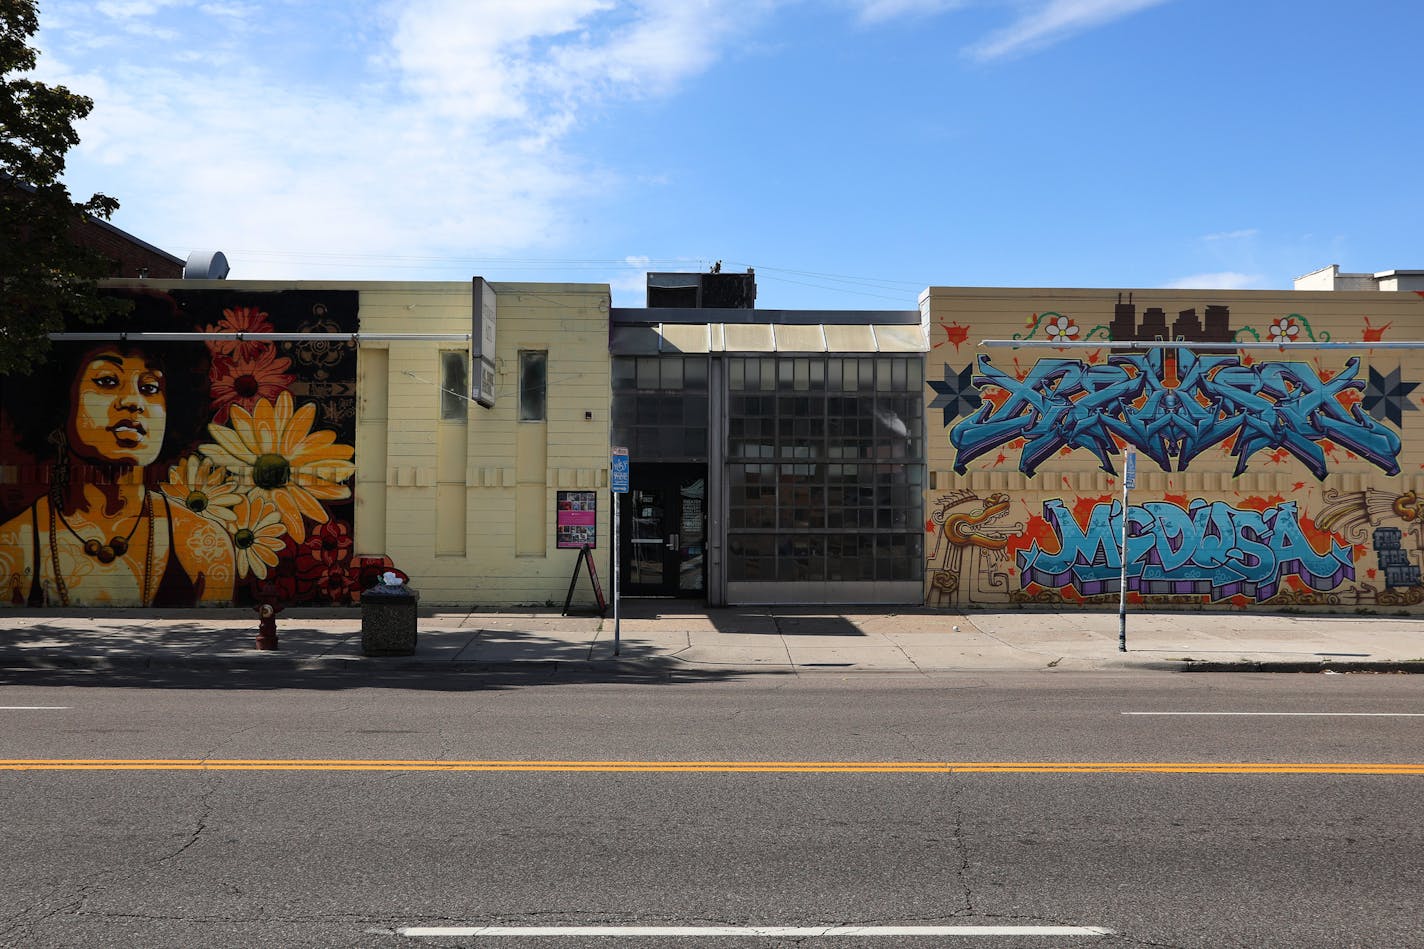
894	290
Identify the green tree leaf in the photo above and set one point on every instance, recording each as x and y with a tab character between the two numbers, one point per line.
46	277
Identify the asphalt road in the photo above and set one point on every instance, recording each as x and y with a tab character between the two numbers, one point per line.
295	849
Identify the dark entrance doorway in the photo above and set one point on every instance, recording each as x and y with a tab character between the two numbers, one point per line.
663	536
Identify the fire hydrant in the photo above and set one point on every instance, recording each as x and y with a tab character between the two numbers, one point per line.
267	611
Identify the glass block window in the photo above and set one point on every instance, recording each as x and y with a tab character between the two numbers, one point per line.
660	407
825	468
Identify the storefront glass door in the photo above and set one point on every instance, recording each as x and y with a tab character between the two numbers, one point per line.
663	534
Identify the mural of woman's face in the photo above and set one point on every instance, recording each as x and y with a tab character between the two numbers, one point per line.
118	408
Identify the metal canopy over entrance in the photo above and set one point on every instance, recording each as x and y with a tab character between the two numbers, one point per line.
657	332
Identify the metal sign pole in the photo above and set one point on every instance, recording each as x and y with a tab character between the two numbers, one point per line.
614	532
1129	480
618	479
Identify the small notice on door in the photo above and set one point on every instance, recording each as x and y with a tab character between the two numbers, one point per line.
577	519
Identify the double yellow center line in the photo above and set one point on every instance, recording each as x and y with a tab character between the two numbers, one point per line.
713	767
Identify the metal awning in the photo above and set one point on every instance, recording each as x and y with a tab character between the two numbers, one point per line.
652	339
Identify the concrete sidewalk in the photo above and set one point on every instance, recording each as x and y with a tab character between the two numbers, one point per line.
672	637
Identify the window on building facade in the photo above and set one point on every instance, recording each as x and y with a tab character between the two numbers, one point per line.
824	468
533	385
454	385
660	407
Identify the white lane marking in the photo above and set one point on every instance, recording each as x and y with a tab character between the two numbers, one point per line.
1297	714
37	708
784	931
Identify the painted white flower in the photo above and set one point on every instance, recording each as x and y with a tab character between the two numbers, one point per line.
1062	329
1284	330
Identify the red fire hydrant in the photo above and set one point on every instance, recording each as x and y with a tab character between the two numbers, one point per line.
267	610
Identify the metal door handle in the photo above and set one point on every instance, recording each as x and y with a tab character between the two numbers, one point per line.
672	542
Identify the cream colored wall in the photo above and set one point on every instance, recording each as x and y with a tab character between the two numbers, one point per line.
983	522
422	492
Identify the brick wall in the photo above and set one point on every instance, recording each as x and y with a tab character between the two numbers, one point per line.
130	258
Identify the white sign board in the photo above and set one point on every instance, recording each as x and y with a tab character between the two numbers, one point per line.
482	306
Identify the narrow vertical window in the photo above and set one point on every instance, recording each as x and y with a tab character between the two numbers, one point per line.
533	385
454	385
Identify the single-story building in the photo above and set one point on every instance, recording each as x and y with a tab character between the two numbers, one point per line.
237	439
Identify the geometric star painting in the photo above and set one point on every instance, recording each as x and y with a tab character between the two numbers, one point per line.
956	394
1386	397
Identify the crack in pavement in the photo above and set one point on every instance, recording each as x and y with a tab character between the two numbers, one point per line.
961	843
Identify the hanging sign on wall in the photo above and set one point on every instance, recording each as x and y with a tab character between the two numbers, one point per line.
577	519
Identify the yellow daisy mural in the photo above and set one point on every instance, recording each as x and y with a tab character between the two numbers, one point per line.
203	488
256	536
275	456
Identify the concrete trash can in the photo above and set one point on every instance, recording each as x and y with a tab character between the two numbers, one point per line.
388	620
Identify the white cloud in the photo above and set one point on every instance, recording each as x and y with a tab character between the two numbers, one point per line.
230	11
1245	233
878	11
543	61
631	284
475	61
1225	280
381	129
447	146
132	9
1051	21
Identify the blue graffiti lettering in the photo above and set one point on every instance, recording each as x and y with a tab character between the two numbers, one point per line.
1066	404
1208	548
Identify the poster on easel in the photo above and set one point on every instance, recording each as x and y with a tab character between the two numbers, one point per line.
585	558
576	520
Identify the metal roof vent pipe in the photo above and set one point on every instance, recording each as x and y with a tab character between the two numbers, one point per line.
206	265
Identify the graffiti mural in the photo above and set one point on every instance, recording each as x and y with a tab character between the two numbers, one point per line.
1173	405
1060	328
1206	549
1390	525
166	473
967	544
1027	506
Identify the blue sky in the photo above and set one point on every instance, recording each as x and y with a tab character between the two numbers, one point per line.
854	152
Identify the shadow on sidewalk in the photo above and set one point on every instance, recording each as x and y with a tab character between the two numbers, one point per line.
751	620
462	677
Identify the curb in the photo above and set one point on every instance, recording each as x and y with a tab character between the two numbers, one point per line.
652	667
1382	667
655	667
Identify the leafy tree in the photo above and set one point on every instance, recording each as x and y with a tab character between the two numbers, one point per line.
45	276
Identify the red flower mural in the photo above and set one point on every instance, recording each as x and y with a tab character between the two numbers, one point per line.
325	560
241	319
239	380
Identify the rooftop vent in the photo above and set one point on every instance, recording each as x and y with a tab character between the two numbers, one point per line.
206	265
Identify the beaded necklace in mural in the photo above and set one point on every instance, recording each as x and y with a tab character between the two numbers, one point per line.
104	553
